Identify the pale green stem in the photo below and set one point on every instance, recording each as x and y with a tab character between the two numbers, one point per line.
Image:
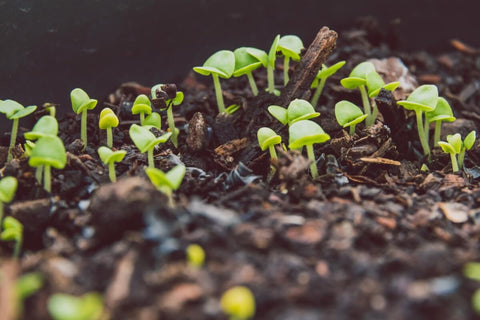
253	85
83	129
151	163
13	139
374	111
352	129
421	133
17	247
453	158
426	130
171	125
270	79
461	158
218	93
142	118
311	157
47	178
273	153
1	214
111	172
169	193
38	174
438	131
318	92
286	67
109	138
52	111
366	106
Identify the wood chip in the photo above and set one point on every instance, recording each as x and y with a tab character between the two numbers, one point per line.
460	46
380	160
455	212
390	223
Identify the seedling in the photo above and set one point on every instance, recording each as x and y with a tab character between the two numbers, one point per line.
108	120
231	109
220	64
167	182
26	286
146	140
291	46
81	103
13	231
453	146
142	106
195	256
306	133
48	152
297	110
8	187
466	145
109	157
66	307
374	84
423	99
442	112
267	138
172	97
14	111
238	303
153	120
348	115
321	78
272	54
246	60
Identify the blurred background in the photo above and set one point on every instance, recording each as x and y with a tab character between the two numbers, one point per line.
48	47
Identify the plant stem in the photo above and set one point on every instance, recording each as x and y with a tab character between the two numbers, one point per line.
286	67
38	174
218	93
273	153
47	178
352	129
111	172
453	158
171	125
13	139
318	92
436	135
366	106
421	133
270	79
461	158
311	157
83	129
109	138
151	163
253	85
17	247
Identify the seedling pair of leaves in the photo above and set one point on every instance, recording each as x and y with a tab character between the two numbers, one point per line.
67	307
13	231
110	157
170	97
146	141
297	110
8	187
348	115
267	139
142	106
108	120
454	146
167	182
319	82
81	103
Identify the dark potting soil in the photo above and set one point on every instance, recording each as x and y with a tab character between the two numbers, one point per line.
372	238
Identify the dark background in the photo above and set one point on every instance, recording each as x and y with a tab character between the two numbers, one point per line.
48	47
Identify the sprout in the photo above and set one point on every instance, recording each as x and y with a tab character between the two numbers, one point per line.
267	138
48	152
171	97
146	141
153	120
422	99
291	46
442	112
109	157
306	133
374	84
322	76
195	256
453	146
8	187
272	54
466	145
220	64
231	109
348	115
246	60
81	102
13	231
108	120
66	307
142	106
168	182
14	111
239	303
297	110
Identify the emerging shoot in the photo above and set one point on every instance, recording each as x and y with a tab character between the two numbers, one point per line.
168	96
297	110
13	231
146	141
322	76
442	112
348	115
467	144
291	46
81	103
142	106
272	54
8	187
109	157
238	303
168	182
246	60
453	146
267	138
108	120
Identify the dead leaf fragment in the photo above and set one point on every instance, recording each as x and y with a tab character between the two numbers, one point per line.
455	212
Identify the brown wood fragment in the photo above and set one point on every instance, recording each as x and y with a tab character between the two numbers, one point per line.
460	46
224	153
379	160
311	62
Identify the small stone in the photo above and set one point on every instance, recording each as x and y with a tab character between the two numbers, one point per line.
455	212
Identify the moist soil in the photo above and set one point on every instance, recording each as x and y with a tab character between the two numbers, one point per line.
372	238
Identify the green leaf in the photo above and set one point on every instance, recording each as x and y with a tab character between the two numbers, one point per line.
291	46
358	76
267	137
144	139
374	83
471	270
153	120
279	113
10	234
178	98
66	307
23	112
107	155
175	176
231	109
9	107
142	105
48	150
245	62
272	54
326	72
300	109
446	147
46	125
28	284
469	140
424	98
8	187
171	179
442	112
306	132
221	63
348	113
81	101
108	119
260	55
455	141
12	229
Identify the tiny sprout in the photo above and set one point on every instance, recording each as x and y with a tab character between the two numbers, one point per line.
306	133
171	97
108	120
81	102
422	99
231	109
146	141
272	54
348	115
13	231
466	145
239	303
142	106
168	182
220	64
66	307
453	146
45	126
442	112
267	138
297	110
195	255
109	157
8	187
246	60
291	46
153	120
14	111
321	78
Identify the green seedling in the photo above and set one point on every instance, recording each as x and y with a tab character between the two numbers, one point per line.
14	111
153	120
172	97
272	54
467	144
108	120
297	110
246	60
306	133
374	84
109	157
195	255
442	112
290	46
142	106
81	103
231	109
13	231
167	182
423	99
453	146
220	65
348	115
8	187
146	141
26	286
267	139
66	307
238	303
48	152
321	78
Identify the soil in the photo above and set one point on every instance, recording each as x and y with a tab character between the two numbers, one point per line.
372	238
